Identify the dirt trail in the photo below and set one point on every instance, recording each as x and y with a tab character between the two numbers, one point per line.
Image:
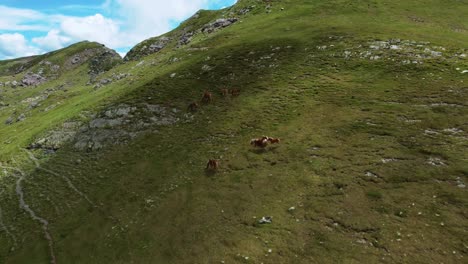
23	205
66	179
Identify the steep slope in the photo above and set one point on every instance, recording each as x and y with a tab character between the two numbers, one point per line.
34	97
369	101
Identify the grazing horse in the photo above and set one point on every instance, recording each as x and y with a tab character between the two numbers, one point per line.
224	92
193	107
259	142
234	92
207	97
212	164
273	140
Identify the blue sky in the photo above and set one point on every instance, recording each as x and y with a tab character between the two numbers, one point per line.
30	27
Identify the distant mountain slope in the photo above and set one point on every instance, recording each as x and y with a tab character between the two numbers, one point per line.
104	161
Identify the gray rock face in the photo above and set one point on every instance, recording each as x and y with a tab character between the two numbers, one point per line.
103	61
53	141
75	60
155	46
105	123
114	126
186	38
31	79
219	23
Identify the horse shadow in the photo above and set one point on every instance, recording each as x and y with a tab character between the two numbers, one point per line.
260	151
210	172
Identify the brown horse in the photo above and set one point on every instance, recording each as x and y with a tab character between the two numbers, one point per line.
193	107
234	92
212	164
207	97
224	92
273	140
259	142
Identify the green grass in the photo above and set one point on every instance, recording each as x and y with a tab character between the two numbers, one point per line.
337	119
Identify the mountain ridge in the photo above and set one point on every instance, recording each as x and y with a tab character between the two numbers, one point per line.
370	110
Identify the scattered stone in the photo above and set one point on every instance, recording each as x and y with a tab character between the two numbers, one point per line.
430	132
291	209
388	160
119	76
21	118
453	130
361	241
371	174
206	68
243	11
34	105
105	81
265	220
460	184
435	162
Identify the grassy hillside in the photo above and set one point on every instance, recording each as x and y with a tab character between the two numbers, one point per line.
368	98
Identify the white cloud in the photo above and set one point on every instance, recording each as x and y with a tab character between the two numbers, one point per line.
93	28
15	19
127	23
52	41
15	45
148	18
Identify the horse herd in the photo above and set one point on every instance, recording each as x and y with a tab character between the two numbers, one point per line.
207	98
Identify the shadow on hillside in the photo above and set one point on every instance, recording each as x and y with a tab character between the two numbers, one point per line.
237	66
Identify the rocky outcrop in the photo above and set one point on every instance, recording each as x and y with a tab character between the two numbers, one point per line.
186	38
103	61
218	24
114	126
32	79
147	47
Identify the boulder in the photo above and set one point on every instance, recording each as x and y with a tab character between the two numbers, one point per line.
21	117
9	121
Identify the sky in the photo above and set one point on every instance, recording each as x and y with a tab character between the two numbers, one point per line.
31	27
